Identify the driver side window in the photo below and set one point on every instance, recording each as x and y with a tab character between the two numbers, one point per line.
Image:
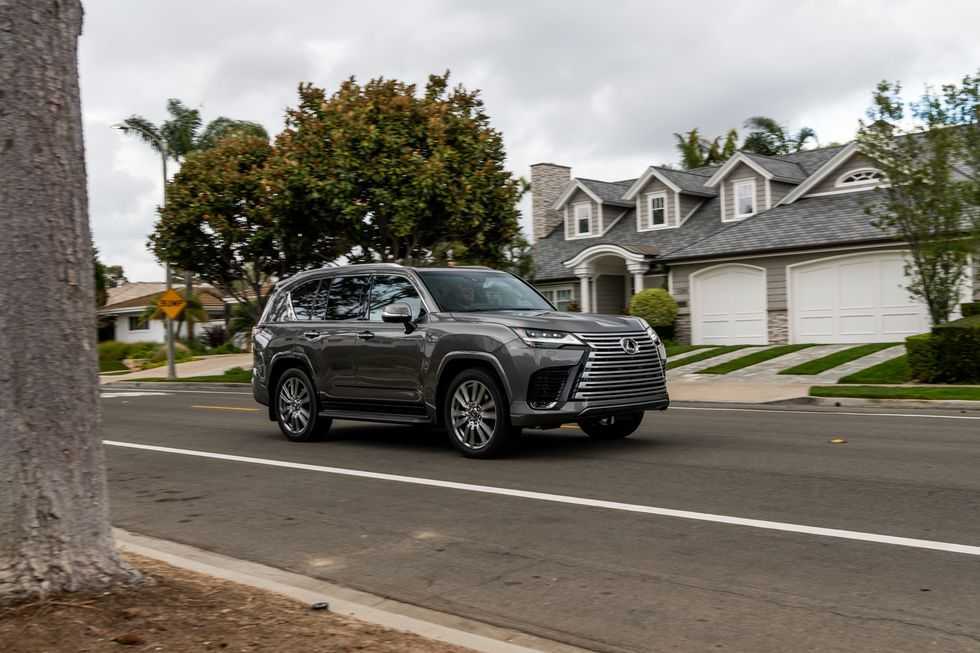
388	289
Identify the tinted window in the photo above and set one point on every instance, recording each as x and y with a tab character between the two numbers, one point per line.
307	301
388	289
346	298
279	310
481	290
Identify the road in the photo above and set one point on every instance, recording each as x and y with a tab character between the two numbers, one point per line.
517	543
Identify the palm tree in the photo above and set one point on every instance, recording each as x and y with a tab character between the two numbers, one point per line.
768	137
177	137
193	311
244	316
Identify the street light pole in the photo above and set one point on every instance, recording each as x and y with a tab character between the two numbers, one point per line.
167	322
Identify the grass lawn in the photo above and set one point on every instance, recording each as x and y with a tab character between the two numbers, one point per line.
752	359
968	393
895	370
818	365
709	353
674	349
234	375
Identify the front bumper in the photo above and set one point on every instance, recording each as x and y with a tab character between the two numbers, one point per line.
522	415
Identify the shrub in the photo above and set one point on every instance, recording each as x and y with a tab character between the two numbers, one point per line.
921	354
114	350
655	306
957	350
227	348
970	309
214	336
181	353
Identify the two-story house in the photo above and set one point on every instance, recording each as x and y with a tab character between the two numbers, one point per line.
758	250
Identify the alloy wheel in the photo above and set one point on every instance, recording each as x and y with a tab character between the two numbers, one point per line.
474	414
294	405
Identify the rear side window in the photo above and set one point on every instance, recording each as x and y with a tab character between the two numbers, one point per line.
278	310
345	299
308	301
388	289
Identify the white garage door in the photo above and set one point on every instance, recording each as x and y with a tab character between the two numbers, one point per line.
728	306
859	298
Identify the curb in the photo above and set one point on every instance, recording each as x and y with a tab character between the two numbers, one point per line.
371	608
175	385
838	402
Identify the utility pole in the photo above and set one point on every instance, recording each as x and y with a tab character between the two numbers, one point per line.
168	324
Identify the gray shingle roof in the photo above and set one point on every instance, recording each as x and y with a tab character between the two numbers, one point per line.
782	170
828	220
811	160
687	181
610	192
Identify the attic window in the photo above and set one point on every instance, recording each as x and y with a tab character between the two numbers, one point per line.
861	176
583	219
744	198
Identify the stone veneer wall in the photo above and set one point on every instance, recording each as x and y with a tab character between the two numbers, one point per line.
682	329
778	328
548	180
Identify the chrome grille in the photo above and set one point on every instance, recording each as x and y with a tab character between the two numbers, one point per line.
612	374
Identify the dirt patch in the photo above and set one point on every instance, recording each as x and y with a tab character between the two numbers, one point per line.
181	611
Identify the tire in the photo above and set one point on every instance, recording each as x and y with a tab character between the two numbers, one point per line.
477	415
297	408
613	427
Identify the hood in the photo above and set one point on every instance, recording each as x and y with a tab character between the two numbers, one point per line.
573	322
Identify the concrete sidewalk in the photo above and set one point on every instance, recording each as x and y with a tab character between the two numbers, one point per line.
205	366
682	389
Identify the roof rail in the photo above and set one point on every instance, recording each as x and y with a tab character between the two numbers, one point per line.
376	265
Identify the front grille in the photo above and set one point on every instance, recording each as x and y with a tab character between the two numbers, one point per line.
611	374
544	388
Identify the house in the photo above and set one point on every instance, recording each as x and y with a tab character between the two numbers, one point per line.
757	250
121	317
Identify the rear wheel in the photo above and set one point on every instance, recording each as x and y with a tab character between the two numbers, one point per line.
297	409
612	427
477	415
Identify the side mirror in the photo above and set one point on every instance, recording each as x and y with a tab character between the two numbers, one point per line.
399	312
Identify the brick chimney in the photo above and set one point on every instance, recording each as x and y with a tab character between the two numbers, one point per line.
548	180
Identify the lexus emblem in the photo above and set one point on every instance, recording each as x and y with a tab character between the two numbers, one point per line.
629	345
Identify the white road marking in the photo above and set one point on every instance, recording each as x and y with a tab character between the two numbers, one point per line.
114	395
578	501
825	412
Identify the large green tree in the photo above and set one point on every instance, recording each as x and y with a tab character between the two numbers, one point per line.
396	171
929	150
218	222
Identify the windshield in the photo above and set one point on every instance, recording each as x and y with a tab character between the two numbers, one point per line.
464	291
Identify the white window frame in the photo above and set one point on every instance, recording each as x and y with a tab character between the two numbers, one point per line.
551	294
744	183
575	221
650	226
840	183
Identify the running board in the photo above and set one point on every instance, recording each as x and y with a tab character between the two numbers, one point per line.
364	416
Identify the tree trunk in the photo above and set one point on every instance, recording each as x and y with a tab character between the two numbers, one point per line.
54	516
189	292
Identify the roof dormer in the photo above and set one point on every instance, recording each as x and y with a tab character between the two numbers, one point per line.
664	198
585	205
751	183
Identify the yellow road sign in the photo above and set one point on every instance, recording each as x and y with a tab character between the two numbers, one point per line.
171	303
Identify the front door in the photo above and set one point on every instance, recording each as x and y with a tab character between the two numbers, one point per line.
389	356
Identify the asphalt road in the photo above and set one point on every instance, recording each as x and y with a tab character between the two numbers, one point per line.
622	576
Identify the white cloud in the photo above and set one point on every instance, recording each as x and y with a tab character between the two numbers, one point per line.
601	87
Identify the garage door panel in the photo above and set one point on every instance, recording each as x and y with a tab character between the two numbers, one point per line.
861	299
729	306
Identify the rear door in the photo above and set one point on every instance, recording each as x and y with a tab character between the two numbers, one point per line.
389	357
339	335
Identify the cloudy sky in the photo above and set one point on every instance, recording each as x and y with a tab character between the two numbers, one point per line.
600	86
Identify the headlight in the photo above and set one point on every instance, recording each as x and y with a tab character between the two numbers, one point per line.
659	343
547	338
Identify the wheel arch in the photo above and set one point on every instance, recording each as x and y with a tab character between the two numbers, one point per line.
278	366
455	363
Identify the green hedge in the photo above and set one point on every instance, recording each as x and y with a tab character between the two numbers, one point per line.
970	309
950	354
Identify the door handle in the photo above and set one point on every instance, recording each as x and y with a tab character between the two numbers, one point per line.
366	335
311	335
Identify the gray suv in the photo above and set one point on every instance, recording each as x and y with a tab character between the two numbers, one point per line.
477	351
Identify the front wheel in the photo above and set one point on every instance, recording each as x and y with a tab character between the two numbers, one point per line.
297	409
613	427
477	417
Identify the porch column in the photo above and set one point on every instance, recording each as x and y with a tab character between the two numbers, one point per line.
585	295
637	270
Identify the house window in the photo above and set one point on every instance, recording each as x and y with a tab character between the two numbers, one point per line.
861	176
744	198
657	210
137	323
560	297
583	219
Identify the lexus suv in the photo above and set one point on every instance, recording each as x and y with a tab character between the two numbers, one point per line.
477	351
